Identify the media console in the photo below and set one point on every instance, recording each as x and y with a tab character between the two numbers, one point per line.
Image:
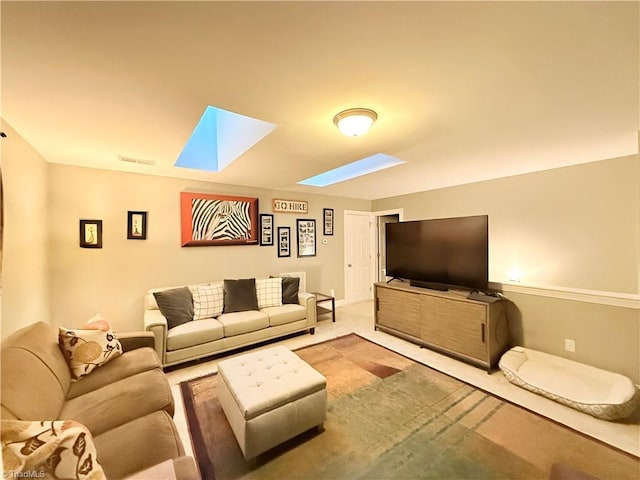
471	330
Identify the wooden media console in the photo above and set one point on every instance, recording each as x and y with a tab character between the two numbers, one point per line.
471	330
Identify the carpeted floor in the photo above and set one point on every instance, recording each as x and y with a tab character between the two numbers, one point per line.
392	418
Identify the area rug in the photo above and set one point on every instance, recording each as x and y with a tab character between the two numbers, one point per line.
389	417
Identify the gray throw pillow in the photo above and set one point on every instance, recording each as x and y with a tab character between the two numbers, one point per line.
240	295
290	287
176	305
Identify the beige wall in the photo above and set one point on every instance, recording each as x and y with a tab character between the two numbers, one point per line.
113	280
576	228
606	336
25	296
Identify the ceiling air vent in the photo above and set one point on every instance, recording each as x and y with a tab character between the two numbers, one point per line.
137	160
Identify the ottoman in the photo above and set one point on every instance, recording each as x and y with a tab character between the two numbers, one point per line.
270	396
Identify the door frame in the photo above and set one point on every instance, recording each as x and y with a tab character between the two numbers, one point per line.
373	244
376	246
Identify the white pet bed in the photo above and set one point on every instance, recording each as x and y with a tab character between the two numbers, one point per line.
600	393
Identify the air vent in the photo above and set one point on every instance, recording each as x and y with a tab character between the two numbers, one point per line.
137	160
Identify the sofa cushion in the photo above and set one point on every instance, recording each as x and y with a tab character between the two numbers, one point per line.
238	323
194	333
285	314
29	390
240	295
176	305
138	444
34	374
208	301
290	287
269	292
120	402
90	347
126	365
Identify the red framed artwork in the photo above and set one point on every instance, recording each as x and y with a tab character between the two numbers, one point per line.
210	219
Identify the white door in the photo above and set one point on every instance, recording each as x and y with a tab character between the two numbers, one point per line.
358	280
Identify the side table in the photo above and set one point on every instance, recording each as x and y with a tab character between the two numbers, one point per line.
320	298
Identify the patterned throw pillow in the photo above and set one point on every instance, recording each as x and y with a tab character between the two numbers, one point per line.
269	291
90	347
49	449
208	301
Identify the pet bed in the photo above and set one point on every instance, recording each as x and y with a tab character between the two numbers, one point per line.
598	392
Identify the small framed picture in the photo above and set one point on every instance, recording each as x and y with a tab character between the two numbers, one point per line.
306	233
266	229
136	225
327	214
91	233
284	241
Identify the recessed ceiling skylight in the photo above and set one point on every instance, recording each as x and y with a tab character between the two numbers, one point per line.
219	138
371	164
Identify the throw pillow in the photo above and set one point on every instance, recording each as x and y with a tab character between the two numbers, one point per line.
49	449
240	295
208	301
269	292
290	287
90	347
176	305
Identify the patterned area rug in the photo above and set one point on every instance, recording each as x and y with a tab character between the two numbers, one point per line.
390	417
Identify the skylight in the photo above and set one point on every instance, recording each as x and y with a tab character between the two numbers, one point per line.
219	138
367	165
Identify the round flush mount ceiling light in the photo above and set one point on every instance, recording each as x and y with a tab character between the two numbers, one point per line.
355	121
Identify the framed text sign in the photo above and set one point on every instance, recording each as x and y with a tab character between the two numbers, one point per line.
290	206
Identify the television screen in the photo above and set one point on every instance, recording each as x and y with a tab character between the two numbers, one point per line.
441	252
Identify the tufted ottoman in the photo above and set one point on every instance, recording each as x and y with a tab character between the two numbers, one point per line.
270	396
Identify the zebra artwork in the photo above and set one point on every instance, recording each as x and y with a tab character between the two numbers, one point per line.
220	220
211	219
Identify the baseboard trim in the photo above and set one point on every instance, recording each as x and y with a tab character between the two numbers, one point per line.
615	299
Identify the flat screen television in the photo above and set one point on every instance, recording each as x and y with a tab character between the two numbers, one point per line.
440	253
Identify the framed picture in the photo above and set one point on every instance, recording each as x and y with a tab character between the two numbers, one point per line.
136	225
290	206
266	229
208	219
327	214
306	233
91	233
284	241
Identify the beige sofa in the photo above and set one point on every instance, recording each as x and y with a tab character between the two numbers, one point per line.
126	404
228	331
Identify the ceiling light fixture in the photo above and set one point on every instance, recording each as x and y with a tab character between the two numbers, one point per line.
355	121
